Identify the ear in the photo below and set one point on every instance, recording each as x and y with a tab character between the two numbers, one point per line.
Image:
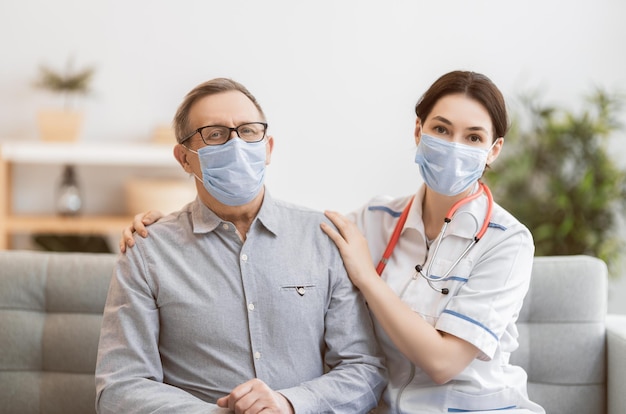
269	147
495	151
418	131
181	153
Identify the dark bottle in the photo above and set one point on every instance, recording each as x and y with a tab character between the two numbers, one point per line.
69	200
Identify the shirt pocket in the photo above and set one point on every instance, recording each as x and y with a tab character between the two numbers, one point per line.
302	308
426	298
298	290
456	278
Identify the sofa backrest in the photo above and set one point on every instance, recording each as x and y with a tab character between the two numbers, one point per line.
50	313
51	306
562	334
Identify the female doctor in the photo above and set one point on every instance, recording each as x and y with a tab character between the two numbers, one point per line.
444	271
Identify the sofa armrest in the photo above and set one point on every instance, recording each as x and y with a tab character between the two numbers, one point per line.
616	355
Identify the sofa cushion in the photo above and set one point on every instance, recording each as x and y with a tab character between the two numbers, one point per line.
50	313
562	334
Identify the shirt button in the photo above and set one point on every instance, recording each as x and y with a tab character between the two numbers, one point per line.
250	306
225	226
257	355
244	257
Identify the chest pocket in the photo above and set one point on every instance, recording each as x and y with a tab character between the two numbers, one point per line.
429	301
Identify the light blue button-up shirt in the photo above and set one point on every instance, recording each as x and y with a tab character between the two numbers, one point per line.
193	311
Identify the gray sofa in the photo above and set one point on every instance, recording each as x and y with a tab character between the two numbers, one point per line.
51	305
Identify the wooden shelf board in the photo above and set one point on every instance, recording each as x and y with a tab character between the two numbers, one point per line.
132	154
66	225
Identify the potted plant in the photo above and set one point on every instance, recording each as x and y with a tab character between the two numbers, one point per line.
63	124
558	177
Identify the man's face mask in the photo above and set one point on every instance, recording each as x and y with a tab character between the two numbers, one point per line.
233	172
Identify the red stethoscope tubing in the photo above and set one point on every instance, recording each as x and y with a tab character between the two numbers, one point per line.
395	236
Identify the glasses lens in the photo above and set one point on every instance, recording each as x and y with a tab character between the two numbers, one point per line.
251	132
215	135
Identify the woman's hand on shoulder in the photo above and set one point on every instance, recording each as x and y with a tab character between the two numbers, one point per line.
138	226
352	246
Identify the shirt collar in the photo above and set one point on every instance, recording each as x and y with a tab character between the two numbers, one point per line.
204	220
269	215
466	222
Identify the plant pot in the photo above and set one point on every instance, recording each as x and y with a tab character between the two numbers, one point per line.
59	125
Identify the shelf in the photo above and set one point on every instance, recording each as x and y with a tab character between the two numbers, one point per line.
66	225
113	153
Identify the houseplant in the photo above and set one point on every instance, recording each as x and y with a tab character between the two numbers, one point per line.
558	177
63	124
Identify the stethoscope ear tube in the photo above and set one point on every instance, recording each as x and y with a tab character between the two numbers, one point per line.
395	236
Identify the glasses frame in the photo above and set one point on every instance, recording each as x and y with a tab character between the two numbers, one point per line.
230	131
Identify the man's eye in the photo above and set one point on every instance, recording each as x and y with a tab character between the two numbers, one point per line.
216	134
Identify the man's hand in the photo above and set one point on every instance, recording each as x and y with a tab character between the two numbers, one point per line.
254	397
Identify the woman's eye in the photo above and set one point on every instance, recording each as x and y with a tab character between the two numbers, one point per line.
440	130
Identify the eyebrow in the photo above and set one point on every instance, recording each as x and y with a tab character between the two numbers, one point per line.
447	122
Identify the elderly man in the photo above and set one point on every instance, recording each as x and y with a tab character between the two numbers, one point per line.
238	301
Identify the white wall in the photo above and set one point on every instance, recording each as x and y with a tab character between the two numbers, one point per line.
337	79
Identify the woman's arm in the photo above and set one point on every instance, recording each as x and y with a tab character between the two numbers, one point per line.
442	356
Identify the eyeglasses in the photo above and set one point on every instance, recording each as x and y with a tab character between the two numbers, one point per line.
218	134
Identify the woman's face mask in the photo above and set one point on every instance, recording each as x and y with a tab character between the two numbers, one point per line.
233	172
449	168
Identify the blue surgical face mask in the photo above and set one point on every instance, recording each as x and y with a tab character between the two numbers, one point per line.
234	172
449	168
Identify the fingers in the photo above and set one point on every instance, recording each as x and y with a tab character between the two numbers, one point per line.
233	400
346	227
138	224
126	239
337	219
140	221
333	234
223	402
150	217
253	397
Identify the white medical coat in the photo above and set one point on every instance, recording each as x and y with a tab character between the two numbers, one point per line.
486	290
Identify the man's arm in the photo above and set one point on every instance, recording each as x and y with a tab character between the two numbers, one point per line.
129	375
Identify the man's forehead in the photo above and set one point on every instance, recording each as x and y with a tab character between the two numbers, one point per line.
231	105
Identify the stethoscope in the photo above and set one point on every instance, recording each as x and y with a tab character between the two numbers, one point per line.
395	236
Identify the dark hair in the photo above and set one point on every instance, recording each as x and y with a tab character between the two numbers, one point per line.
475	86
212	87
